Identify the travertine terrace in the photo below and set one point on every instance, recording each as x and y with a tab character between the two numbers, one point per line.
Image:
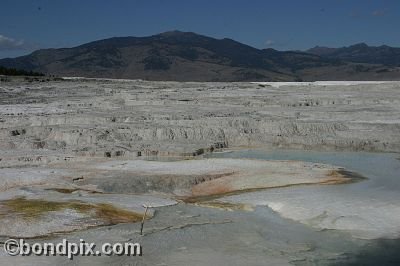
95	151
120	118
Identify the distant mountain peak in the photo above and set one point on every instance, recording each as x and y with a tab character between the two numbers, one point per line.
175	33
318	47
359	45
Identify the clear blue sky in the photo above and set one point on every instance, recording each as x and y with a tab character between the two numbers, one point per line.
283	25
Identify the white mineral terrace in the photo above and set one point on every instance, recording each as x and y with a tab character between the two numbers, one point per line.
234	173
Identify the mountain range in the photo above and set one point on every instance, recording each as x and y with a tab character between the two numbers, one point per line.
361	53
187	56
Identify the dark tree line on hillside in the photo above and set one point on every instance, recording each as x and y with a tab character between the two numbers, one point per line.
18	72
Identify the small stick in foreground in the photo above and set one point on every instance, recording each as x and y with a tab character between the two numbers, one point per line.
144	217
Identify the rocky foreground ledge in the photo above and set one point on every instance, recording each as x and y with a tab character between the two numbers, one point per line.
65	197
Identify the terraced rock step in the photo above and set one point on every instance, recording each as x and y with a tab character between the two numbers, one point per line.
132	119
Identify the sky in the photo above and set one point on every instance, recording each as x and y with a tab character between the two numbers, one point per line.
29	25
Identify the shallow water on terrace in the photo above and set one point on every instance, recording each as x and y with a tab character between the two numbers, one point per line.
381	169
375	200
